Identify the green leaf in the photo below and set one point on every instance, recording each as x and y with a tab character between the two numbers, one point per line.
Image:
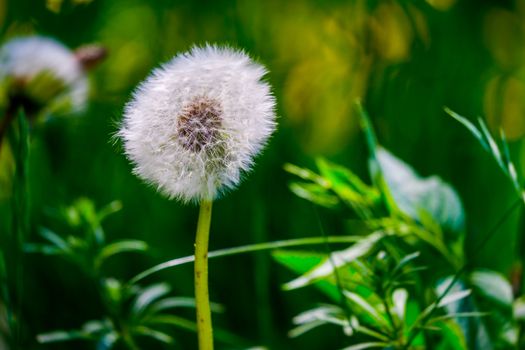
301	262
120	247
405	261
454	296
413	193
60	336
45	249
519	308
107	341
307	174
326	313
470	127
109	209
349	187
321	315
114	290
152	333
412	318
147	296
173	321
314	193
219	334
90	330
54	238
452	336
511	169
435	241
368	345
399	299
474	327
96	327
368	331
341	178
492	286
501	155
368	308
176	302
338	259
458	315
493	146
305	328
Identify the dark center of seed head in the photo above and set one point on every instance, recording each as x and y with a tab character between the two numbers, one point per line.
199	124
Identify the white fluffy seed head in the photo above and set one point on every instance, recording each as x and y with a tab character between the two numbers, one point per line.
44	71
195	124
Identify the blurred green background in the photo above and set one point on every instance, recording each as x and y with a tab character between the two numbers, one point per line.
405	60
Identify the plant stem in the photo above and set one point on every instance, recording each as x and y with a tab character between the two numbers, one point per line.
19	139
128	340
390	316
338	282
202	298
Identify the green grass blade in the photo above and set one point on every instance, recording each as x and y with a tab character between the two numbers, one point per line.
153	333
246	249
120	247
55	239
147	296
369	345
470	127
493	146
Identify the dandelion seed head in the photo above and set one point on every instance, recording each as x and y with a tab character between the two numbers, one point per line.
45	71
199	125
194	125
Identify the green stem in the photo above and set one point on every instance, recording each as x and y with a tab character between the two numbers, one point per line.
128	340
389	315
202	298
19	139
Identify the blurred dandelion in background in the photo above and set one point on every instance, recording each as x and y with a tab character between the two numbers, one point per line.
39	72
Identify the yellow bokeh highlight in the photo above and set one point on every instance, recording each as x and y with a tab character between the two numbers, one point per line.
329	56
441	5
128	34
328	72
504	105
505	38
392	34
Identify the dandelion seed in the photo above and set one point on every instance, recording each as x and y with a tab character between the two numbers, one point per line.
195	124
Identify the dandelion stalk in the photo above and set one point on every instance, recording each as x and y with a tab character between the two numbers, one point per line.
202	298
